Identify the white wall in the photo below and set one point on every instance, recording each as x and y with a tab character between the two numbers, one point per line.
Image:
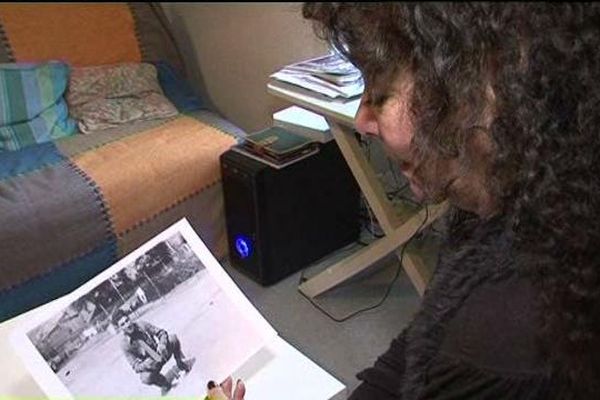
231	48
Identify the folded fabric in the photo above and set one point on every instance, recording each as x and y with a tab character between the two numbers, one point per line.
32	104
105	97
177	89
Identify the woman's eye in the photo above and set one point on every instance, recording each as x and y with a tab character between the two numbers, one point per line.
376	100
380	100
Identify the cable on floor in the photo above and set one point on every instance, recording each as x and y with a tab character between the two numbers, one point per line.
387	291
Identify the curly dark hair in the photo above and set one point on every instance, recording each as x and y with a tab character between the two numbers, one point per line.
542	62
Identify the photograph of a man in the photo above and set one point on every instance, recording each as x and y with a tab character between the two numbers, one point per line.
148	348
135	330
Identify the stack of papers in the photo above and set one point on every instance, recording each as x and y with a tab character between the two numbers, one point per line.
331	76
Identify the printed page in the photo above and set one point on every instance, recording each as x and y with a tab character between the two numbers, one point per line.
161	321
330	75
332	63
319	85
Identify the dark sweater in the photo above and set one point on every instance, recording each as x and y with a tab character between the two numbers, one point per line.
475	336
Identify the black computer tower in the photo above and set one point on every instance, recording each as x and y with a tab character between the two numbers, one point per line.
281	220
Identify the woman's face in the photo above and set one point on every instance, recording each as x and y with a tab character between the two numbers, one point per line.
389	119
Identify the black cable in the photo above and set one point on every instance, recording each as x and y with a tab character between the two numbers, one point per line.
387	291
369	219
396	193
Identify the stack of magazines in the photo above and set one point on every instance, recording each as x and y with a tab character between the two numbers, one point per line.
277	147
331	76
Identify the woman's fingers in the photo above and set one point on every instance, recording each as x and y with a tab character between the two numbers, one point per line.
240	391
227	386
224	390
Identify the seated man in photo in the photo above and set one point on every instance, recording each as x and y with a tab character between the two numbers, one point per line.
148	348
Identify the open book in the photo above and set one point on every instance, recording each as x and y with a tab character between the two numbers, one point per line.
164	320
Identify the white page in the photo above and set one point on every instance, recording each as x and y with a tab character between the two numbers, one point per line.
214	321
299	116
307	82
331	63
269	374
319	85
281	372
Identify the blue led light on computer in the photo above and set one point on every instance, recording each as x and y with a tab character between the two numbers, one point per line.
243	246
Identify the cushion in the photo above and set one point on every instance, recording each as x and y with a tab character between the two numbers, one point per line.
107	96
177	89
82	34
32	105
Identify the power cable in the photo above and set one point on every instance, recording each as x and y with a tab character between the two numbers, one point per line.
387	291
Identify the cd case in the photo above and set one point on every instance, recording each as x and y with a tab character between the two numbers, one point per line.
278	142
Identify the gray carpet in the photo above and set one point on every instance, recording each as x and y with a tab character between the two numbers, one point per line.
341	348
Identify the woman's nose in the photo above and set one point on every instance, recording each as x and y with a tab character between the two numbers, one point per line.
365	121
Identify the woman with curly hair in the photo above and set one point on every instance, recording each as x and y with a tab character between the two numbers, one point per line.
494	107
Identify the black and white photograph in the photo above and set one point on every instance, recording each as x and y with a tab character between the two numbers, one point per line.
160	324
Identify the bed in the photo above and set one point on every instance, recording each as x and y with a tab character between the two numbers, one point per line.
72	204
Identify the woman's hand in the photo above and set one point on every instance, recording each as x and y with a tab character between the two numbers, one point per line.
224	390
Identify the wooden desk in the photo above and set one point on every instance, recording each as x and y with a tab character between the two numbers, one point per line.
340	116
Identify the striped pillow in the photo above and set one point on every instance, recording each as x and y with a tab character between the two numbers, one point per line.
32	105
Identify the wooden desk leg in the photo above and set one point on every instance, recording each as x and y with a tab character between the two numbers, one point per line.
365	176
348	267
364	258
418	272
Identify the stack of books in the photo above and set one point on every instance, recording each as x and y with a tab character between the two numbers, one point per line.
330	76
277	147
